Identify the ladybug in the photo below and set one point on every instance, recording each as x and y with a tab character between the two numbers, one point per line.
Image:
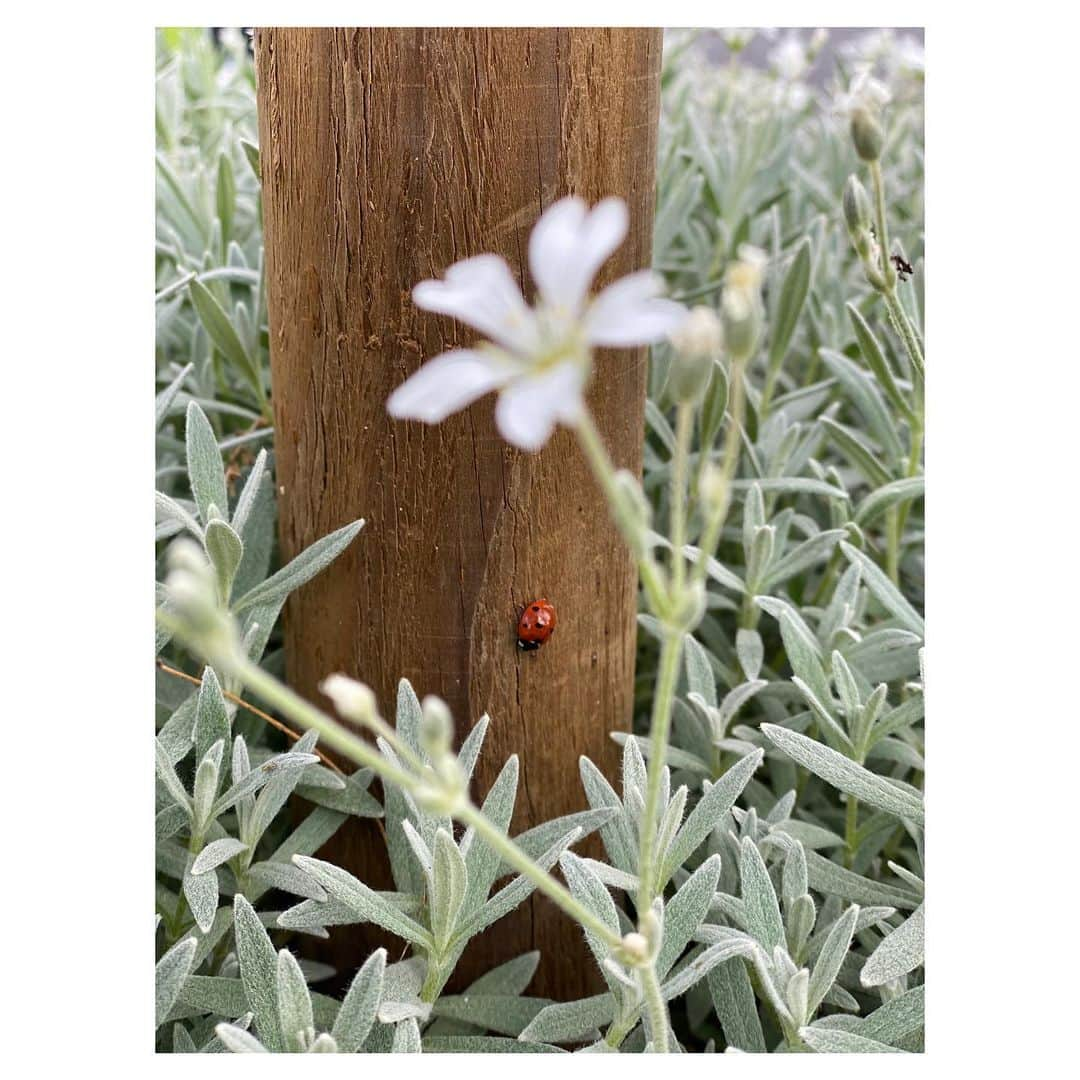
536	625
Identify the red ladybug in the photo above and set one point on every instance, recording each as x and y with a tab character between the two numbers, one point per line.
536	625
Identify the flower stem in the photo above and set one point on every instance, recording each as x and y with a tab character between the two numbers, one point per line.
604	473
655	1009
330	731
902	325
684	423
718	511
663	703
887	270
307	715
510	853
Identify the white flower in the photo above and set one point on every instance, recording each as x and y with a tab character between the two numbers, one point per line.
863	92
790	59
869	47
537	358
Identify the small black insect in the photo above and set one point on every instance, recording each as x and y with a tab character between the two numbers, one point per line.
903	268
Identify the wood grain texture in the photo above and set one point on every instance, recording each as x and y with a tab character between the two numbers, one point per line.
386	156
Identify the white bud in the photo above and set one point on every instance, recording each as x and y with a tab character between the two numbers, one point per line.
712	486
741	306
635	948
353	700
700	334
436	727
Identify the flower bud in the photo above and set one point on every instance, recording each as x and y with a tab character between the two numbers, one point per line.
697	342
651	927
714	490
192	596
353	700
688	608
635	949
744	317
436	728
442	791
857	211
867	134
632	511
741	307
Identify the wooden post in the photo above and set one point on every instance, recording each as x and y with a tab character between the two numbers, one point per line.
387	155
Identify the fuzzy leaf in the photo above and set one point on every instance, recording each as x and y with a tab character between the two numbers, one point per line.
684	913
450	879
367	904
570	1021
709	812
827	966
885	591
899	953
846	775
832	1041
302	569
358	1011
789	307
238	1041
735	1005
225	550
170	974
258	970
206	472
294	1003
211	716
763	919
164	399
215	853
406	1037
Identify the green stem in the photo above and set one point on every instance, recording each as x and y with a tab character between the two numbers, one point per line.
663	703
902	325
307	715
749	613
433	982
718	512
888	271
684	423
825	587
510	853
914	464
604	473
851	826
655	1009
330	731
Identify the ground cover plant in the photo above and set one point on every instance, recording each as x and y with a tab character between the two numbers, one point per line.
762	882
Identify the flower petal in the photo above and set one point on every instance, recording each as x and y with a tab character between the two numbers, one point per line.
482	292
631	312
570	243
447	383
530	407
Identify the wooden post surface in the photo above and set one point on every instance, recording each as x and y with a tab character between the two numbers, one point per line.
387	155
